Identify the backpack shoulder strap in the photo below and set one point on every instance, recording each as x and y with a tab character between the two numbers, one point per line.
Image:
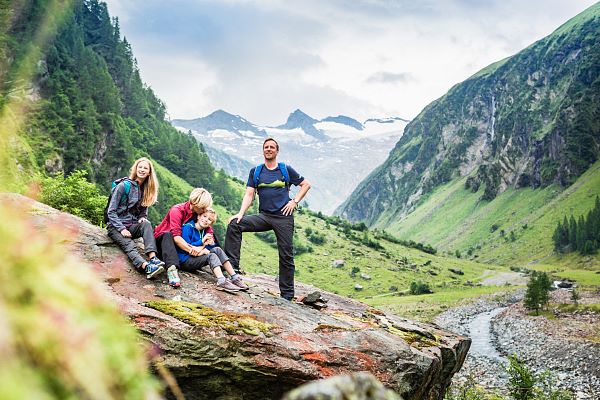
257	170
284	172
127	187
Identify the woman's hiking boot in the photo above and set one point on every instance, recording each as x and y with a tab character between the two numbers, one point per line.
173	276
154	267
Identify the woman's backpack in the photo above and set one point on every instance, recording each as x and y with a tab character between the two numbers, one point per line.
124	196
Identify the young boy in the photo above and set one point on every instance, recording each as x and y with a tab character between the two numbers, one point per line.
200	236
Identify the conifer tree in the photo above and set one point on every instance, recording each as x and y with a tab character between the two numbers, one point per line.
573	233
565	238
545	285
580	236
538	291
557	237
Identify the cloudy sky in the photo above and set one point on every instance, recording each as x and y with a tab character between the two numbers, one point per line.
262	59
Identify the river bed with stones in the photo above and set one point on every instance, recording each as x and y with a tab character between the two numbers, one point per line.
567	345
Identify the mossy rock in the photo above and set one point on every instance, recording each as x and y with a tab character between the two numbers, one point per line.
414	338
200	315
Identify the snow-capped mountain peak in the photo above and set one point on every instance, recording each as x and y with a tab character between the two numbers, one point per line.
221	120
311	146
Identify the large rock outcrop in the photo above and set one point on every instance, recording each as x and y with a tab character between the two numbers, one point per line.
255	345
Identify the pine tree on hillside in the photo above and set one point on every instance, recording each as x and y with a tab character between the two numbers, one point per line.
537	295
581	235
573	233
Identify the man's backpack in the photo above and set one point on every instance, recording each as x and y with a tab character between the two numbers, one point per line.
282	168
127	186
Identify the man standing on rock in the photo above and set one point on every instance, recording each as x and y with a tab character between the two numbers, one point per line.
272	181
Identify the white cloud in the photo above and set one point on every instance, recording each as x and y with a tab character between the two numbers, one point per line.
368	58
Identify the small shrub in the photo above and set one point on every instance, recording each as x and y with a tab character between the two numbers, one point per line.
575	297
521	380
301	248
523	384
419	287
469	391
316	238
75	195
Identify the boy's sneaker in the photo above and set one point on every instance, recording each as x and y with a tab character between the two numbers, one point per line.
228	286
154	267
239	283
154	260
173	276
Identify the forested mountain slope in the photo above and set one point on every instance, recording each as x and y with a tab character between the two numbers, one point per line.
529	121
86	105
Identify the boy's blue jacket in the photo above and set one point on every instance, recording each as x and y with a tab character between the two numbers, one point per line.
193	236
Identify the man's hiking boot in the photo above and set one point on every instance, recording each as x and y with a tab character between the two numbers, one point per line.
173	276
154	267
240	283
228	286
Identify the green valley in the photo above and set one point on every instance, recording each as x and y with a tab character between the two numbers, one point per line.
515	228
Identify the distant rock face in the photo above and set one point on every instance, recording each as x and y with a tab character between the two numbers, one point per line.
342	119
525	121
299	119
256	345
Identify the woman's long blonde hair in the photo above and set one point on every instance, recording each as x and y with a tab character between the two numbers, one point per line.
150	184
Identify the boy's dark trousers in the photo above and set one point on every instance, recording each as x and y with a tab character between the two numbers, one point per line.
167	250
283	226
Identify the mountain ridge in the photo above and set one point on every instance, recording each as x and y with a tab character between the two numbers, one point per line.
526	121
338	146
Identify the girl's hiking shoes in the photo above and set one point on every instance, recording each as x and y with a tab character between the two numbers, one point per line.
173	276
154	267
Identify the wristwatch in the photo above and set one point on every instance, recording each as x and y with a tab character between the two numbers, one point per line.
294	200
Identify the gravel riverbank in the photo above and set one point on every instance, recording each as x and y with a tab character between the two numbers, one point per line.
566	345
